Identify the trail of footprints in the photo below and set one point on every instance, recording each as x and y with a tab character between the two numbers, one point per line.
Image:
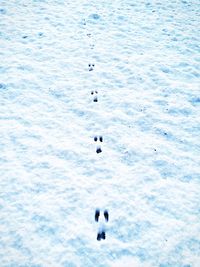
101	234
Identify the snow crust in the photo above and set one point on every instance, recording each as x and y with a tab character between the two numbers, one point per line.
146	73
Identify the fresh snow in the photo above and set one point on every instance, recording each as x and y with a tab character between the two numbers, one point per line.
146	72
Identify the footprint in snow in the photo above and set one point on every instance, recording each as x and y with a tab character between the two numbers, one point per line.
101	234
91	46
94	93
98	149
91	67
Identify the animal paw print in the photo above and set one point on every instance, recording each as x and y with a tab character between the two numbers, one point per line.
95	99
101	232
91	67
98	150
91	46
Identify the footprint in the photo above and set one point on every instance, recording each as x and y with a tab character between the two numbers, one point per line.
106	215
97	214
91	67
101	234
95	99
92	46
98	150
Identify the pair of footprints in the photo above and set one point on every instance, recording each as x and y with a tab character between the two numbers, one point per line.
101	232
100	138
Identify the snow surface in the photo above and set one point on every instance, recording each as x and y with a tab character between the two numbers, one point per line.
146	56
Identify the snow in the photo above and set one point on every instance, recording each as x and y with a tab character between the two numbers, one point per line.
146	73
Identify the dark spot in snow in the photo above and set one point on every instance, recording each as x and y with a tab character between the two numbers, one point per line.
95	99
121	18
92	92
101	235
2	86
25	36
95	16
97	214
98	150
106	215
165	69
2	11
197	100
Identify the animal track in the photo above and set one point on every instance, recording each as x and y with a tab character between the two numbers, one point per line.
91	67
95	99
98	149
92	46
101	232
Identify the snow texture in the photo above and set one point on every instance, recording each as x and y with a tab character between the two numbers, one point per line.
146	72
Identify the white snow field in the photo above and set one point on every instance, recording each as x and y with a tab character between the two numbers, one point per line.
146	73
